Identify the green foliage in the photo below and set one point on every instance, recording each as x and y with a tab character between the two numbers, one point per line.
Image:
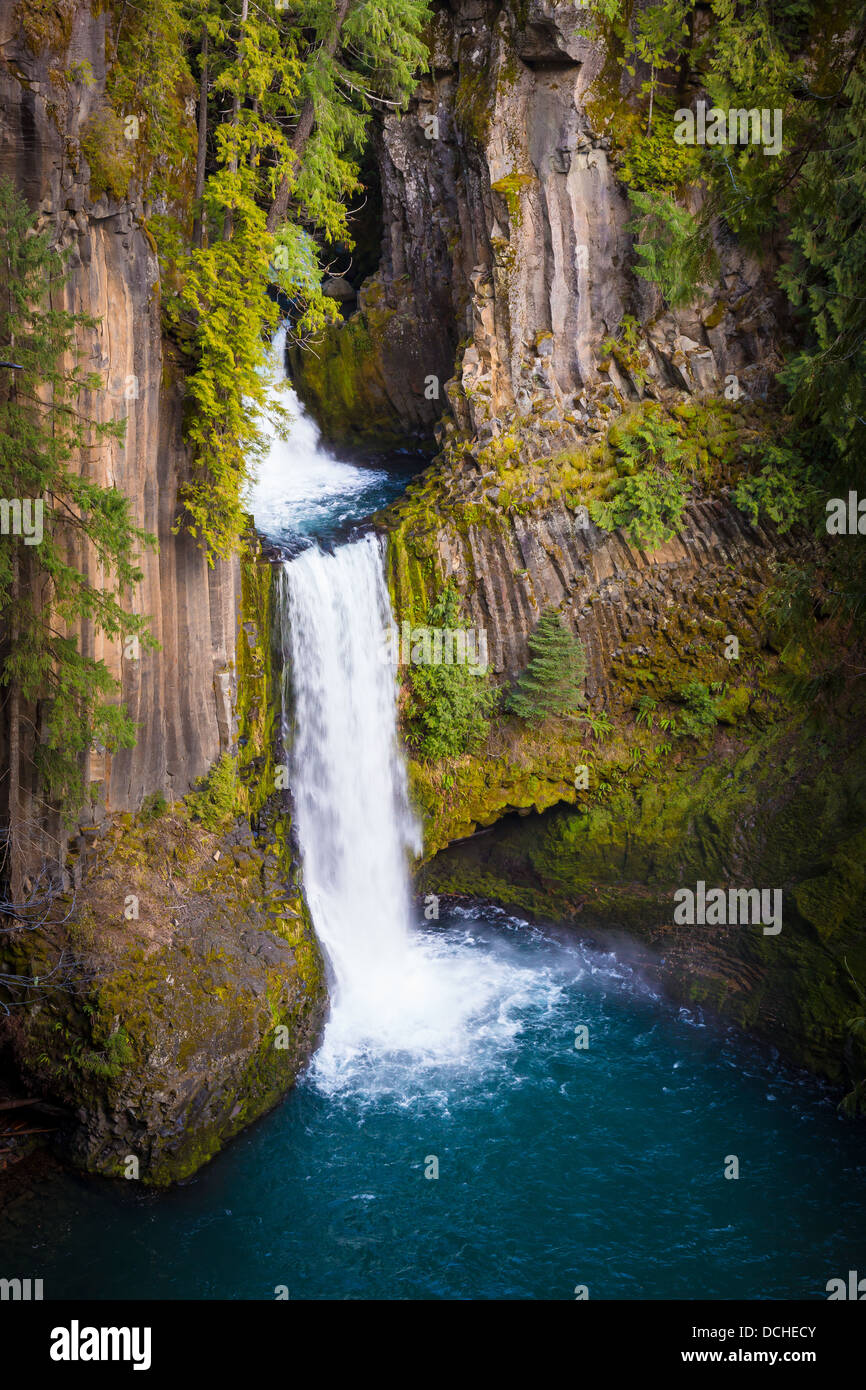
152	807
700	714
651	159
804	59
646	707
214	800
45	23
649	506
115	1057
108	154
645	438
780	486
624	347
289	95
649	496
149	78
552	682
600	725
825	274
449	707
225	302
46	593
674	248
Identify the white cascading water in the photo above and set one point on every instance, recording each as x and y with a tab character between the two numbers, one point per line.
404	1001
348	779
300	486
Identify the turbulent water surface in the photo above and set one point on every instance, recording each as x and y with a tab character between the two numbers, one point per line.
449	1139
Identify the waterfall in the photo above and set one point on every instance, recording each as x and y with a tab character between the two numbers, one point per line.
403	1000
301	489
413	1002
354	823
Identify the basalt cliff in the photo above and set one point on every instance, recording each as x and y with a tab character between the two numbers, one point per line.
171	952
505	330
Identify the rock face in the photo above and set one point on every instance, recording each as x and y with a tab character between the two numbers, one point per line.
195	985
200	1012
780	814
507	253
180	694
197	991
611	593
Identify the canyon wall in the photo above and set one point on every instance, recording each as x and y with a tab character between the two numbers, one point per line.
180	695
191	984
507	256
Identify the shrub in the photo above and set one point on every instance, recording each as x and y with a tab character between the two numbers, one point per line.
448	705
108	154
215	797
649	496
700	710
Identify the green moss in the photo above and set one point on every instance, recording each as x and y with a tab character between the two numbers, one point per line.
511	188
612	863
258	696
473	106
45	24
338	374
108	154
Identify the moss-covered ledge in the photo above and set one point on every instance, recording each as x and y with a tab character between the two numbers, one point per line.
783	810
187	1023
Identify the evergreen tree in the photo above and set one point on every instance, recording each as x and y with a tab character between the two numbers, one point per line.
78	566
552	681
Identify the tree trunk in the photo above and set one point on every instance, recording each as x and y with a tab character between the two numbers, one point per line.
201	154
306	120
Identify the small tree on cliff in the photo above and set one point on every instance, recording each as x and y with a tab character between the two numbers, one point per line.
552	681
67	548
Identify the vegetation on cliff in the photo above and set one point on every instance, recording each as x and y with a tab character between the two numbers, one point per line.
552	683
450	700
267	107
177	992
801	63
59	523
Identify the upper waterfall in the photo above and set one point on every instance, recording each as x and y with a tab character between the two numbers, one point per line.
301	489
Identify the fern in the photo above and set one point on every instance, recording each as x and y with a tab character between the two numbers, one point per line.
674	250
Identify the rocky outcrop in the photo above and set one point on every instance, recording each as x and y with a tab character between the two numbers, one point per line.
507	252
179	694
703	583
189	1019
